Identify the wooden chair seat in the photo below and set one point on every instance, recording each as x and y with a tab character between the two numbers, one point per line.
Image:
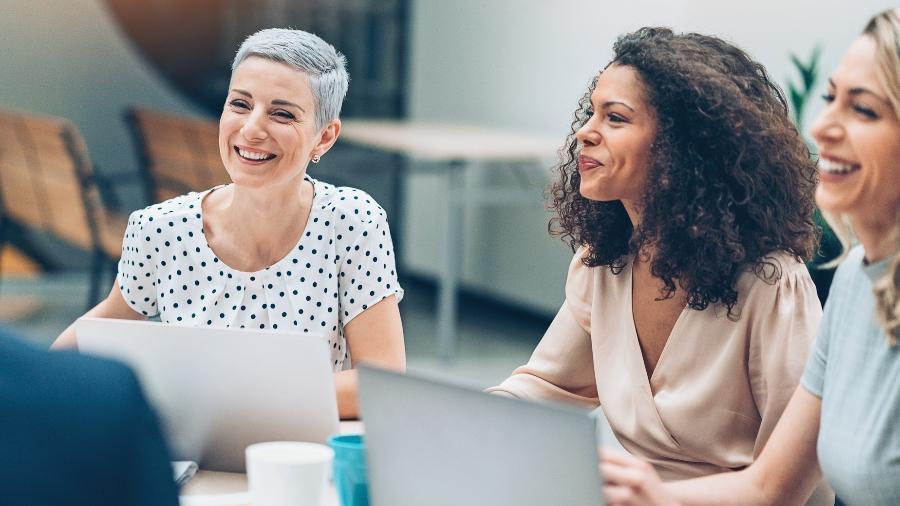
47	185
179	154
15	263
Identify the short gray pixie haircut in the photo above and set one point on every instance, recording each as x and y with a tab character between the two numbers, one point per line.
324	66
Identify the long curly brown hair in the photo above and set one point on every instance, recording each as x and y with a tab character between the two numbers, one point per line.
731	180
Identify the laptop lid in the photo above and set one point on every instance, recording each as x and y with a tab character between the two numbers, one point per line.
217	391
429	442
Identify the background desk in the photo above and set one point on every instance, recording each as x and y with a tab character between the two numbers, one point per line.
452	149
214	488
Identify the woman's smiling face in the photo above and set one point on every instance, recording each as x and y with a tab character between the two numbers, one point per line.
614	160
267	132
858	135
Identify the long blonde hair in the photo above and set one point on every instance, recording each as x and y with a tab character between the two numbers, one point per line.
884	28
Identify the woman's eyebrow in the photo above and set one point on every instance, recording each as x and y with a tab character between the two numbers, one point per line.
279	101
609	103
859	90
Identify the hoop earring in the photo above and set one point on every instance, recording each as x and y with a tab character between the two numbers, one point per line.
316	158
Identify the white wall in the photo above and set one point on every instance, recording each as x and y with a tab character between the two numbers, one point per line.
68	58
523	64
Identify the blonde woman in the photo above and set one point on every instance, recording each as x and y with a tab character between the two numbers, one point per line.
844	419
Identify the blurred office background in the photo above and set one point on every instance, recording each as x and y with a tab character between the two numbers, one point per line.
514	65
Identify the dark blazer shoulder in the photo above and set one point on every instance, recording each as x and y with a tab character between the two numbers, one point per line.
68	383
77	430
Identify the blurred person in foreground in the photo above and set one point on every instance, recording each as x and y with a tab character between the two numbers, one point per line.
275	249
689	313
77	430
844	419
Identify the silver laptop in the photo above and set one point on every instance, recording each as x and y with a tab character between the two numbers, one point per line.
433	443
219	390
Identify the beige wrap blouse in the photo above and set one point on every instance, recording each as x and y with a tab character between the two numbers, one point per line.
719	387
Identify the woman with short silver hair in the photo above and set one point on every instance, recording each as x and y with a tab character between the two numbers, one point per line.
275	249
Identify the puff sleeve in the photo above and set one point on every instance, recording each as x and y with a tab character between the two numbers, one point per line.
562	366
367	272
784	318
137	272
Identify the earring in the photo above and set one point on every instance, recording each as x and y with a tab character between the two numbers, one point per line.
316	158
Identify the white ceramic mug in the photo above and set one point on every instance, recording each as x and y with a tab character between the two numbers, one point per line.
288	473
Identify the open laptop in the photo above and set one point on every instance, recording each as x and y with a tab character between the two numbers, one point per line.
219	390
429	442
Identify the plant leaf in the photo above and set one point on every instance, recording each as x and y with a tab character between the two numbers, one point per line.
798	101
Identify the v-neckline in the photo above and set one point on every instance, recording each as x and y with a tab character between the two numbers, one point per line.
635	338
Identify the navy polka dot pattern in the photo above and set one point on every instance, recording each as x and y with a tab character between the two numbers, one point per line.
342	265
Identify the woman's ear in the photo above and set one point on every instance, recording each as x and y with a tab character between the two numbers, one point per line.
327	137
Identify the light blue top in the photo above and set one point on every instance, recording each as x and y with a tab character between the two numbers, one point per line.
857	375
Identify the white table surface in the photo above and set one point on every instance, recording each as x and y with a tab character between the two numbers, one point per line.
449	141
216	488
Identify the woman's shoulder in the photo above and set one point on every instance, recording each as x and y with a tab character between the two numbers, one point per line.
348	204
852	264
182	207
850	278
580	281
776	264
773	268
773	276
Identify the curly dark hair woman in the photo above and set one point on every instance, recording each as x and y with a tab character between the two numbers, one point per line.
730	179
689	312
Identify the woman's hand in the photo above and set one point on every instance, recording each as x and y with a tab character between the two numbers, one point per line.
631	481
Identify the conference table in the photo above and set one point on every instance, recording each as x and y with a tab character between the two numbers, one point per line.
456	151
216	488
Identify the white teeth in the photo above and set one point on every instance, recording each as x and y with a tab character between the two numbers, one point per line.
833	167
254	156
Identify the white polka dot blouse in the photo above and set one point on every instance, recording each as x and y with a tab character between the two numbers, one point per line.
342	265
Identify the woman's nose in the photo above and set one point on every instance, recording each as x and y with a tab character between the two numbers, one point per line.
826	128
254	127
587	134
